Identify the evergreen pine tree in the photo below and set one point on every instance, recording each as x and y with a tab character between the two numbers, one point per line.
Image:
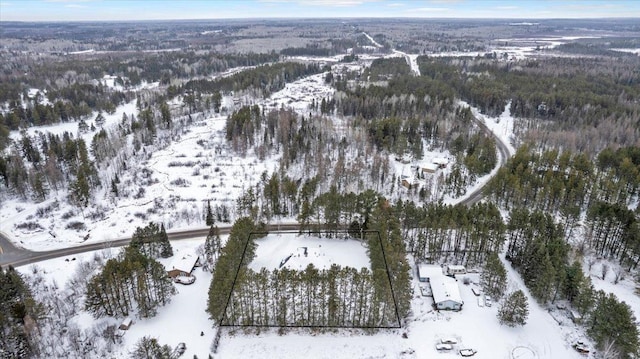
209	218
585	298
494	276
149	348
613	321
166	248
514	310
573	281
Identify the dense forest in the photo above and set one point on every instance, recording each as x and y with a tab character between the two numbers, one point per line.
556	98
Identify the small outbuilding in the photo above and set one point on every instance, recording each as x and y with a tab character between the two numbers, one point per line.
453	269
429	167
426	271
441	162
126	324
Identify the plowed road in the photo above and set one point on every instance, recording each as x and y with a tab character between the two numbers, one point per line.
16	256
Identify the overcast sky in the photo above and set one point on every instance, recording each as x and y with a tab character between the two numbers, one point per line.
82	10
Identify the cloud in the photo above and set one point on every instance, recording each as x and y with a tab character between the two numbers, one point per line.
69	1
337	3
506	7
76	6
431	9
334	2
396	4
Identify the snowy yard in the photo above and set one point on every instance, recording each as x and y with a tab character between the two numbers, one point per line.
474	327
295	252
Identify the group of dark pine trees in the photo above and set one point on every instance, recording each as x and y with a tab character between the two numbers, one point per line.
335	297
134	282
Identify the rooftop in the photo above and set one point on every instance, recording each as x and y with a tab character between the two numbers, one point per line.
184	263
445	288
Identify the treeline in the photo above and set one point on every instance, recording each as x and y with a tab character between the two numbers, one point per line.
476	156
544	93
239	245
568	185
401	96
131	69
71	103
458	234
263	79
334	297
51	163
538	251
335	47
19	316
384	69
133	283
307	51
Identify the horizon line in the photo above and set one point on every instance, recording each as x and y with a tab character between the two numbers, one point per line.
520	19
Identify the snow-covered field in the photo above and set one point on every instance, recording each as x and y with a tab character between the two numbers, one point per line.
630	51
518	48
297	252
475	327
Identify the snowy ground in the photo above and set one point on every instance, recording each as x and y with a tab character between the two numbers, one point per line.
630	51
289	250
625	289
474	327
180	179
518	48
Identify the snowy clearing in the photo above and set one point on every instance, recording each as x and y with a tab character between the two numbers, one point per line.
297	252
474	327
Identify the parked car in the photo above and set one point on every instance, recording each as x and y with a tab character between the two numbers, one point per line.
449	341
186	280
467	352
581	348
443	347
487	301
180	349
476	291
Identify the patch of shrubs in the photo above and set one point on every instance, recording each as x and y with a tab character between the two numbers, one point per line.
31	226
77	226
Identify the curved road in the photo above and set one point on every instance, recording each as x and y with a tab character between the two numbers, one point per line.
15	256
478	194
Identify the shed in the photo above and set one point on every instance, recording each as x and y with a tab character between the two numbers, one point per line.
182	266
453	269
429	167
426	271
126	324
441	162
446	294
